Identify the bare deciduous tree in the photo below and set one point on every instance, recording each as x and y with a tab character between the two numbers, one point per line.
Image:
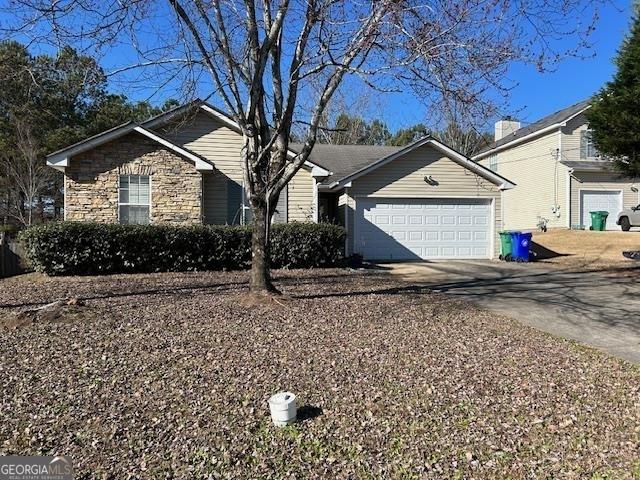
25	171
276	63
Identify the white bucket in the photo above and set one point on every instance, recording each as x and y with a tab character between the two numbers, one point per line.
283	408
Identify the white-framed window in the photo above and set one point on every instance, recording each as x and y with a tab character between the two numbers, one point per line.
134	199
493	163
587	148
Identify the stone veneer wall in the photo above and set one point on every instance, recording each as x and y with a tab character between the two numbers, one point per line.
92	182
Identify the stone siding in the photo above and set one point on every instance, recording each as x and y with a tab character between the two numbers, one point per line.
92	182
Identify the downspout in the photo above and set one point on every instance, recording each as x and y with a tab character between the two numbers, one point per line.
315	200
568	199
348	227
64	196
569	194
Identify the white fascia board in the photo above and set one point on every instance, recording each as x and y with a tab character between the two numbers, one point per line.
200	164
383	161
59	163
484	172
501	182
61	160
328	187
518	141
575	115
316	170
228	121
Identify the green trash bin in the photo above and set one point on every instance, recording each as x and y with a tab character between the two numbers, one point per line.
505	246
599	220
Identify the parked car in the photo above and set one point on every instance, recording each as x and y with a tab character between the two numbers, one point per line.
628	218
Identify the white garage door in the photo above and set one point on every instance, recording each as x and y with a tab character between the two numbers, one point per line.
608	201
406	229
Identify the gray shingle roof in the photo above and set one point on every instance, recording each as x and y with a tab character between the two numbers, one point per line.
591	165
343	160
556	117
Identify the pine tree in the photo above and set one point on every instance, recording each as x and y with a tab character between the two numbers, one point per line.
614	116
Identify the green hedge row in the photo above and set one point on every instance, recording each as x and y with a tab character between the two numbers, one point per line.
74	248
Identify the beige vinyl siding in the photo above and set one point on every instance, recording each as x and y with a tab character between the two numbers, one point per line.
599	181
212	139
541	182
404	178
217	142
571	138
301	196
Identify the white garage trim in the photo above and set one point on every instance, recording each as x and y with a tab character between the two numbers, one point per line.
490	230
582	191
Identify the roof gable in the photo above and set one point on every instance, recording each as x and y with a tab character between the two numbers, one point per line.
386	155
60	159
181	110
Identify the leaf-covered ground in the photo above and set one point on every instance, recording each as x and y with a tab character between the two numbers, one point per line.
167	376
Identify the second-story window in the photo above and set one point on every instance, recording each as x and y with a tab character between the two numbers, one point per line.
493	163
587	148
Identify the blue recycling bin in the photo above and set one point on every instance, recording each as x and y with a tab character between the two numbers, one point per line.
520	244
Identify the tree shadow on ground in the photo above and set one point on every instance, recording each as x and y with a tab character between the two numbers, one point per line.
308	412
606	296
540	252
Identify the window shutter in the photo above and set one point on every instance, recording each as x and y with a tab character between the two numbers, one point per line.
234	203
583	143
281	208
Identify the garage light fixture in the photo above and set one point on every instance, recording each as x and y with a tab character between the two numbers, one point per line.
431	181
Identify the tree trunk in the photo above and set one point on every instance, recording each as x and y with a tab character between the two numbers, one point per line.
260	282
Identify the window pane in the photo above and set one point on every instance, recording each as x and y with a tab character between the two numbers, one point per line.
134	215
143	192
134	197
124	214
134	192
140	215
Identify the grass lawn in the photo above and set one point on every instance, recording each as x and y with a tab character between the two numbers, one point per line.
585	248
167	376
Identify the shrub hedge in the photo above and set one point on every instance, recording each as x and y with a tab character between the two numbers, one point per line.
75	248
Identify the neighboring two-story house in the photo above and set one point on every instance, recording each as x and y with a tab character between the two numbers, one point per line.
422	201
560	175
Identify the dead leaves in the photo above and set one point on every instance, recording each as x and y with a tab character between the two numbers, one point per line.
167	376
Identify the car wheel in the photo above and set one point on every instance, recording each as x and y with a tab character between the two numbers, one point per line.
625	225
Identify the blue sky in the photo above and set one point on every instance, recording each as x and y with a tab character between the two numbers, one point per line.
536	94
539	94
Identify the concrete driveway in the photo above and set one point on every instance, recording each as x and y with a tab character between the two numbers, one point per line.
597	307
